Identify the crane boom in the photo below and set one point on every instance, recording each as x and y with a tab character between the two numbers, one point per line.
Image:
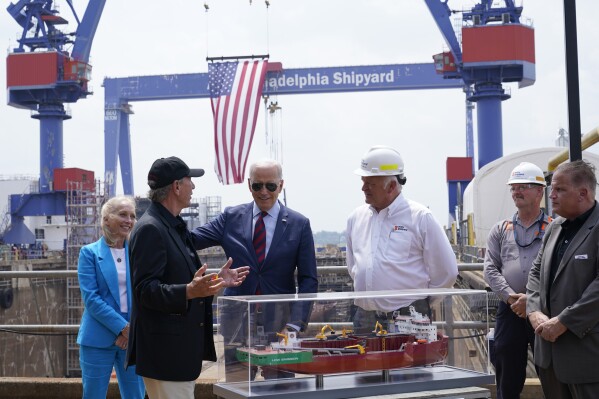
87	30
441	14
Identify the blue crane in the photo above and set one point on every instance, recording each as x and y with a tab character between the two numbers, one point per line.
41	77
496	48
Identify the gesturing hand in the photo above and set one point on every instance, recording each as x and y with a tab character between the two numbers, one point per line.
233	277
203	285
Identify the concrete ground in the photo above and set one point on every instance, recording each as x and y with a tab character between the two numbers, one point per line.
70	388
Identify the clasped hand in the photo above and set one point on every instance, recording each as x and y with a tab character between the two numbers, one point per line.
547	328
204	285
519	304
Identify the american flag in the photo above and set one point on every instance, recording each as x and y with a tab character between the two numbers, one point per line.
235	91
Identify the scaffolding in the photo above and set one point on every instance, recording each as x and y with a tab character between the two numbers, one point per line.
83	227
213	207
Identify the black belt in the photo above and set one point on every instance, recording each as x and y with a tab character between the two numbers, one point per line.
421	306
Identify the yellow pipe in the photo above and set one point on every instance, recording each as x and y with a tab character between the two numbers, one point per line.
454	233
587	140
471	237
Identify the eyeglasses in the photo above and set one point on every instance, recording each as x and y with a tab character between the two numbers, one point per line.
523	187
272	187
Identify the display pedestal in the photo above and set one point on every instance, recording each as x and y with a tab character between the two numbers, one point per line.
412	379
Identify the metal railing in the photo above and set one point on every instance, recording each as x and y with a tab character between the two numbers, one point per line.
74	328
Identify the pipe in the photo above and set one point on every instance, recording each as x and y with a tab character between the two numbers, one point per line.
588	140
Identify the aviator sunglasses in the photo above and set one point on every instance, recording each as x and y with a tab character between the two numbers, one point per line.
272	187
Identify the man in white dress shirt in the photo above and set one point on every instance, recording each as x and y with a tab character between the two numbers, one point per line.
393	243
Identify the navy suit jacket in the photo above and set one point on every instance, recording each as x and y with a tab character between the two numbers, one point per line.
292	248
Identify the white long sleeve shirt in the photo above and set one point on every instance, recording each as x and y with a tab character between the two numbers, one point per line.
400	247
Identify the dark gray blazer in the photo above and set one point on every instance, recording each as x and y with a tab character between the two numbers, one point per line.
170	335
574	300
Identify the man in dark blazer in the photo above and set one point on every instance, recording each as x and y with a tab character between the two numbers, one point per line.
289	250
171	321
563	288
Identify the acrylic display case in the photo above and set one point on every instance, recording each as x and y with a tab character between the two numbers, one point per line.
325	346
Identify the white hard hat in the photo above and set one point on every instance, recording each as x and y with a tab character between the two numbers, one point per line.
381	160
527	172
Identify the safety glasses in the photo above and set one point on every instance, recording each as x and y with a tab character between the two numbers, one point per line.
272	187
522	187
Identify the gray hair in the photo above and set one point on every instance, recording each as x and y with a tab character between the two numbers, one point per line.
388	180
109	209
581	173
160	194
267	163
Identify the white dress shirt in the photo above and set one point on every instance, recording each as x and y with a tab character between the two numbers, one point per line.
400	247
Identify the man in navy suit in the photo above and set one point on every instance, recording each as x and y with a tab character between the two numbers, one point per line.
289	247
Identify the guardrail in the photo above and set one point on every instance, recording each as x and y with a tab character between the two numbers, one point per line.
73	273
74	328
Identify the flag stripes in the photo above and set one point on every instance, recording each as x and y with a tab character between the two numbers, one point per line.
235	91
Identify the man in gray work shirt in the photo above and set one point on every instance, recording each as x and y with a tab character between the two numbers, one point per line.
512	246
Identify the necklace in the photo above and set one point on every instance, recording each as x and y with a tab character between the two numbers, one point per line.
118	254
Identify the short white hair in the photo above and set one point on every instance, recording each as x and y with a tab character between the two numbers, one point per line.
267	163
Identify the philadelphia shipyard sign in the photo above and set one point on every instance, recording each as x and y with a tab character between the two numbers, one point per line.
355	78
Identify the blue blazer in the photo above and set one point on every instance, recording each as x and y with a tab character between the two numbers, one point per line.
292	248
102	320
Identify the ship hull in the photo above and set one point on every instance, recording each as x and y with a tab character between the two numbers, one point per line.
332	357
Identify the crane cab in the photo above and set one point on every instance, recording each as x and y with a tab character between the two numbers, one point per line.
77	71
444	63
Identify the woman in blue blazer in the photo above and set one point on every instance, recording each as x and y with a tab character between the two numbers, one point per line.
105	285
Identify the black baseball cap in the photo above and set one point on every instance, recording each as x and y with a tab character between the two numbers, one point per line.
164	171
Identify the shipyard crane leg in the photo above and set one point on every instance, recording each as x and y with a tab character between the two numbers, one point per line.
488	97
117	148
51	117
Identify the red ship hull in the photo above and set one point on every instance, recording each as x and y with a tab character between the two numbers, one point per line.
381	353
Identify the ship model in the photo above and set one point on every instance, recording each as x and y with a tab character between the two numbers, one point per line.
410	341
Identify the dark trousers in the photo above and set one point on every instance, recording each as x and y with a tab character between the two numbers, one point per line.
513	335
555	389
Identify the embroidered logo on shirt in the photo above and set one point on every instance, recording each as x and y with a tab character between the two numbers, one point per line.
398	228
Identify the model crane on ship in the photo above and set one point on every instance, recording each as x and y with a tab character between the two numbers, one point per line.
42	75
